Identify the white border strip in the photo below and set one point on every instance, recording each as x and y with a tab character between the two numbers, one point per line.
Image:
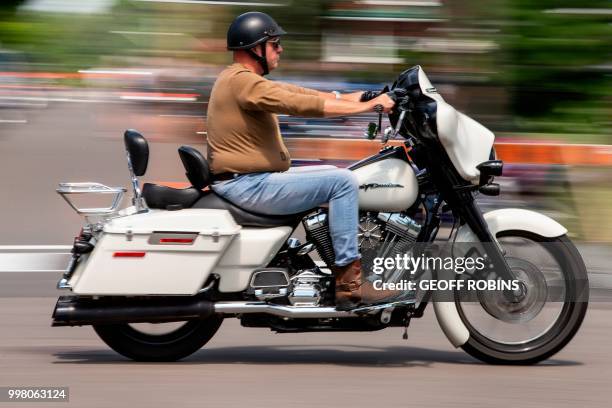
34	258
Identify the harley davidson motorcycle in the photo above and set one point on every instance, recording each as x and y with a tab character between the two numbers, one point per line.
156	279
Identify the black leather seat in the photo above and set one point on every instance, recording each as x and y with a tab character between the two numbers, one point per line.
211	200
168	198
198	173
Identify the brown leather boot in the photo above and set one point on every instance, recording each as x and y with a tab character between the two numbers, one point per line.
353	291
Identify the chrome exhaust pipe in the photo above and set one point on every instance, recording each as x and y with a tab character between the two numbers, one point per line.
280	310
72	311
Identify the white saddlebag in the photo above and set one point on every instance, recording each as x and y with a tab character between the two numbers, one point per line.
156	253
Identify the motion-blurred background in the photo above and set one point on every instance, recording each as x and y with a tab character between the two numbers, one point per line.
75	74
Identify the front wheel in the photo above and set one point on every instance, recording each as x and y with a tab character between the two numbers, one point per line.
554	300
159	342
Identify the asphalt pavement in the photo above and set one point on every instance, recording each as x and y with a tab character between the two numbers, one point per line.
75	142
256	368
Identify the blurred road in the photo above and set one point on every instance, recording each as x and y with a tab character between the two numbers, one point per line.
77	141
256	368
76	135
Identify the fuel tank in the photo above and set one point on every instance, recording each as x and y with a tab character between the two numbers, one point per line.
386	183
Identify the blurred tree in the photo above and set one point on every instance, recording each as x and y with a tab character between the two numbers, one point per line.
10	5
58	41
558	55
302	20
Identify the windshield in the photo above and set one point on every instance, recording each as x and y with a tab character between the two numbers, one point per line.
423	97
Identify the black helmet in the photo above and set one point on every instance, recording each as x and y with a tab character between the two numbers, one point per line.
252	28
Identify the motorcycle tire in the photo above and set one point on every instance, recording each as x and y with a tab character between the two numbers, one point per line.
558	334
171	346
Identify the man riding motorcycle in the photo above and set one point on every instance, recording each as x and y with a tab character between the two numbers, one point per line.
251	165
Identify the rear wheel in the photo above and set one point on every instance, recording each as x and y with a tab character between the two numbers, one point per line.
159	342
554	300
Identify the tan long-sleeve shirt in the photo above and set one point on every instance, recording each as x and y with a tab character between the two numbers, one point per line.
243	131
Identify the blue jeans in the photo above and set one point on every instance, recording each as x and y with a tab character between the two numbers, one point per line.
300	189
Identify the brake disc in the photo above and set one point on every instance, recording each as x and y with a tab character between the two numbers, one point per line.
519	306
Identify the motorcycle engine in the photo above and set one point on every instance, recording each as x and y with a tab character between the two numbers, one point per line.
307	288
381	235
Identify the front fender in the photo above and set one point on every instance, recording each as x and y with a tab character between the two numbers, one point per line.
507	219
450	322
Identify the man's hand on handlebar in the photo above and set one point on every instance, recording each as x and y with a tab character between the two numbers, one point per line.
382	103
369	95
359	102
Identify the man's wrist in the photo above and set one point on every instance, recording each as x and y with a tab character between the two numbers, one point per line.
337	94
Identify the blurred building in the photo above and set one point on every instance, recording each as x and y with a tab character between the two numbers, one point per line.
375	32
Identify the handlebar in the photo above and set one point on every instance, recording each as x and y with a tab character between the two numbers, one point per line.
400	97
395	94
398	94
369	95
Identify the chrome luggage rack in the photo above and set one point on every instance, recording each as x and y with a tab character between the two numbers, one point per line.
67	189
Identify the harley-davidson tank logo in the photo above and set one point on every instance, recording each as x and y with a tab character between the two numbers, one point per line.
368	186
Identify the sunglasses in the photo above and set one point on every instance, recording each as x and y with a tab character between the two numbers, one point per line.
276	44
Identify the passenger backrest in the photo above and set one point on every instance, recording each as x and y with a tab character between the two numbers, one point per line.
137	150
196	167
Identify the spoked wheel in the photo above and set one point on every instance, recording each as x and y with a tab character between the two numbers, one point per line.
159	342
538	319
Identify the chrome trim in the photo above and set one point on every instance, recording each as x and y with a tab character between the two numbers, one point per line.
306	289
305	295
88	187
397	129
271	270
63	283
280	310
307	248
66	189
406	224
261	295
138	201
385	316
315	221
308	276
373	309
293	242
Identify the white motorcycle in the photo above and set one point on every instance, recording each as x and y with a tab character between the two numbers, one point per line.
190	257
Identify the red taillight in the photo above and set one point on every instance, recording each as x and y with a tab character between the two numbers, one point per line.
176	240
129	254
